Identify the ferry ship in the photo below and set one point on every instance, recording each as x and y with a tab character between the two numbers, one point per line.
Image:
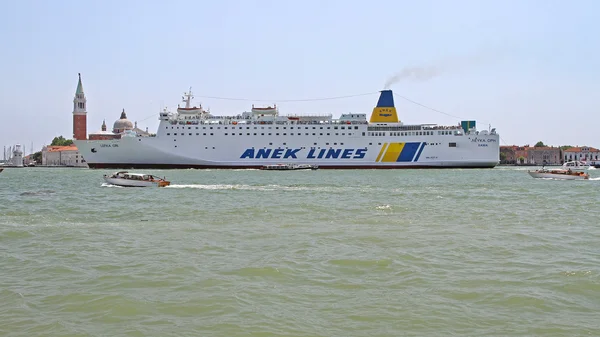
194	138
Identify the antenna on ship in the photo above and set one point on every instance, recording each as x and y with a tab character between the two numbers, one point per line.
187	98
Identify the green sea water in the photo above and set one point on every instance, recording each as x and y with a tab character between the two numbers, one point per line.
299	253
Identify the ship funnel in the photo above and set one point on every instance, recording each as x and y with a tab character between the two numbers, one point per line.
385	111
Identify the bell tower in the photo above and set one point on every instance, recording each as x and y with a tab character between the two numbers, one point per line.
79	113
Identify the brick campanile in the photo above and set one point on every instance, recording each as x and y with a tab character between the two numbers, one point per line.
79	113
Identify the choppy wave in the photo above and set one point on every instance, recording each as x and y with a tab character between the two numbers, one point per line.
338	253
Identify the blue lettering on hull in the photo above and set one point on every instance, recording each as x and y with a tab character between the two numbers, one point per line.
304	154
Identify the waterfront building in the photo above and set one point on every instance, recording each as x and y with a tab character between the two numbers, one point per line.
62	156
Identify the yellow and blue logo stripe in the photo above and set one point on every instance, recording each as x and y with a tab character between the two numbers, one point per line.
400	152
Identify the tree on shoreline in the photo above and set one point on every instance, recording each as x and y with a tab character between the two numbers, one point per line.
61	141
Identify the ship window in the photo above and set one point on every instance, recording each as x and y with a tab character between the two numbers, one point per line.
314	127
255	128
206	147
225	133
211	127
291	134
189	127
321	127
190	134
315	143
343	127
328	134
270	143
255	134
269	134
320	134
204	127
370	143
175	134
225	128
177	127
284	127
269	128
314	134
204	134
334	143
277	127
218	127
284	143
329	127
197	134
341	143
247	128
356	128
335	127
363	133
262	127
285	133
276	134
262	134
168	134
343	134
175	145
326	143
211	134
378	143
196	128
452	144
307	133
306	127
337	134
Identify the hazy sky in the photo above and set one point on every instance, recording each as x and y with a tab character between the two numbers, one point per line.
530	68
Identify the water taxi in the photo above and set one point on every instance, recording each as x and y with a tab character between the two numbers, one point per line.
130	179
289	167
564	174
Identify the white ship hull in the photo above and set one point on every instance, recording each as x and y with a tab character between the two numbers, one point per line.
257	139
222	152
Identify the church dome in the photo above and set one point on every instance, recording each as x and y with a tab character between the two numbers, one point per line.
122	124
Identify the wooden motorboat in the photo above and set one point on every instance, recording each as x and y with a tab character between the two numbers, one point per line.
130	179
567	174
289	167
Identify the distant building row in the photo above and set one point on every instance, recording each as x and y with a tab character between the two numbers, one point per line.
549	155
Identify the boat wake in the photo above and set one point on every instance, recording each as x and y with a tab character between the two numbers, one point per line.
252	187
110	185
